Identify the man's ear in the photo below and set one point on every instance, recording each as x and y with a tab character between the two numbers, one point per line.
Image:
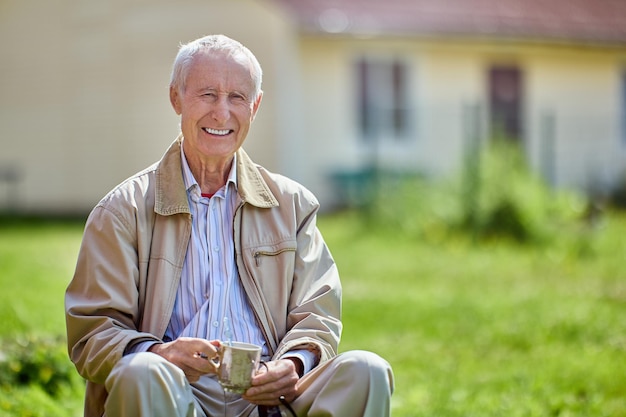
175	100
257	103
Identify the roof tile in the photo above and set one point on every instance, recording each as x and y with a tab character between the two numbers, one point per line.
598	21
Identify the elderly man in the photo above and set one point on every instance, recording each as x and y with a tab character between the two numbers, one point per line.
205	234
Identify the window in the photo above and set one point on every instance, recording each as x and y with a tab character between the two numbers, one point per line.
505	102
383	97
623	109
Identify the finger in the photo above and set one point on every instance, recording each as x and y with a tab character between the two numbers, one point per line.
271	399
204	363
271	391
205	348
199	356
273	371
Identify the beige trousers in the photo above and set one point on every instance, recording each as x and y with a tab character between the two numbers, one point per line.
353	384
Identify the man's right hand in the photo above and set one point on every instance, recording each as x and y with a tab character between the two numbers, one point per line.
192	355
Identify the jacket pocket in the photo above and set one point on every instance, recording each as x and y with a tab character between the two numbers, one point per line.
261	253
272	268
274	262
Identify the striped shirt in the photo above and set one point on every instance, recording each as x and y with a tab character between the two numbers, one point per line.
210	301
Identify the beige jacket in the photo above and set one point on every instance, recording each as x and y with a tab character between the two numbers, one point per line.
132	253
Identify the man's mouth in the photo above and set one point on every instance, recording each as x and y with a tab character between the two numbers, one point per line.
217	132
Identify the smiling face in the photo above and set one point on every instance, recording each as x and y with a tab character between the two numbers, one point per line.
217	106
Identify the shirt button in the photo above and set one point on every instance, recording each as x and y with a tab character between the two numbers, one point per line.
216	248
216	324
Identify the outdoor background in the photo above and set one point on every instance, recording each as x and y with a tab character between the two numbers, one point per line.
469	156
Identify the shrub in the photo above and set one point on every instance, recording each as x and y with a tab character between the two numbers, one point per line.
40	361
495	197
515	203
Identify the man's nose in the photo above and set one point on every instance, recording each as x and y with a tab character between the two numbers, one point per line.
221	110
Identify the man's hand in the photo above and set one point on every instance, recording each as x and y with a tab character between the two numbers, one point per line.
269	384
190	354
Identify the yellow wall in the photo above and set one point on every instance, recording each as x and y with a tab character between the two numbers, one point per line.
84	101
84	89
579	85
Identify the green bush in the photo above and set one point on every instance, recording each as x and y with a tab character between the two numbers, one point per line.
516	204
36	361
495	197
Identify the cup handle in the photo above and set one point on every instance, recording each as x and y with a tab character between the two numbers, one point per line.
216	360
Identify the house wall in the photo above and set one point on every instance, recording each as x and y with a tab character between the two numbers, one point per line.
84	100
571	107
578	91
84	90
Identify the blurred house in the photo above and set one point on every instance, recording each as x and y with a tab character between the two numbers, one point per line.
400	84
84	100
414	84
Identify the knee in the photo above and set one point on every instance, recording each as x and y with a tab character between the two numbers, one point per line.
139	368
367	367
363	361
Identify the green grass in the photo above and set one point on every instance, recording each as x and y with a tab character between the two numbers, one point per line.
470	329
492	329
36	263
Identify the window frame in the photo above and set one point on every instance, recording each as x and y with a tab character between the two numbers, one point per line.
384	110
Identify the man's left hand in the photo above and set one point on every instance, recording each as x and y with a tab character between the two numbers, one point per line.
269	384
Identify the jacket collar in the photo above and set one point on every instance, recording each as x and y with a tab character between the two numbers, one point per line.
171	195
252	187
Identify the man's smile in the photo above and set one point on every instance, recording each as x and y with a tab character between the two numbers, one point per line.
217	132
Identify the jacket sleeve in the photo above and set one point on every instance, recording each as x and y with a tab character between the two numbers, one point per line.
101	301
314	310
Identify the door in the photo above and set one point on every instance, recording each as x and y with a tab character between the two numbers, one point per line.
505	102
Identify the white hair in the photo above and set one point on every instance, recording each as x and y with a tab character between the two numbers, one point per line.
213	43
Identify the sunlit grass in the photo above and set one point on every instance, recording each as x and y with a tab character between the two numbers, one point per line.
489	330
36	263
470	329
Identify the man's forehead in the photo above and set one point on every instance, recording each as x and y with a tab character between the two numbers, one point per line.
219	68
222	57
216	60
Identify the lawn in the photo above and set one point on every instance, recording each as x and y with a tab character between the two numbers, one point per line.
490	330
36	263
470	329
